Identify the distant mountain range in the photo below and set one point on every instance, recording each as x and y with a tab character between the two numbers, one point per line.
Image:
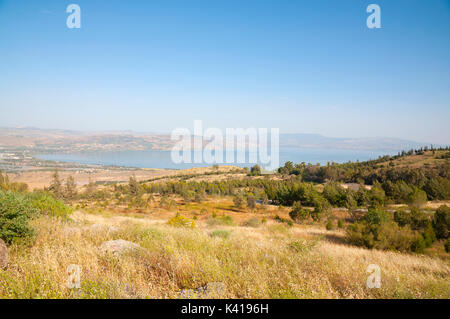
369	143
70	141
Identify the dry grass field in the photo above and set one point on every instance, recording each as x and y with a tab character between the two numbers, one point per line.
260	260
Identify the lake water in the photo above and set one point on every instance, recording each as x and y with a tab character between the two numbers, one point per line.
162	159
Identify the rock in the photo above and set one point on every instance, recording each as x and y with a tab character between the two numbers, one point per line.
4	257
210	291
119	246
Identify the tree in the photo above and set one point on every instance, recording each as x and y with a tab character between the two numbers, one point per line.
251	203
91	189
298	213
134	187
417	198
255	170
329	225
441	222
15	212
238	201
70	191
4	181
377	195
56	185
199	196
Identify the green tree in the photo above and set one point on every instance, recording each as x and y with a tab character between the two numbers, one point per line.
255	170
70	189
417	198
56	185
441	222
238	201
251	202
15	213
134	187
298	214
329	225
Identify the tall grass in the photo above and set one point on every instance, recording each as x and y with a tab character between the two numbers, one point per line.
264	262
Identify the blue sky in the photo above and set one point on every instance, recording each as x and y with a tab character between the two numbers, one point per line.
302	66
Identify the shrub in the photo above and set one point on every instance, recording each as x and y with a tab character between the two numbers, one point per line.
329	225
298	213
238	201
447	245
419	245
301	246
340	223
419	220
49	205
417	198
335	194
390	236
221	234
360	234
251	202
429	235
438	188
181	221
222	220
253	222
402	218
441	221
377	195
376	217
15	213
255	170
377	230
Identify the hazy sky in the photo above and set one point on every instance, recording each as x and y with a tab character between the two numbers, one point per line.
302	66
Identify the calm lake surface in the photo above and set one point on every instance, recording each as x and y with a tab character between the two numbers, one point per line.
162	159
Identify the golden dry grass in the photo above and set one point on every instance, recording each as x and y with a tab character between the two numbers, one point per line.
270	261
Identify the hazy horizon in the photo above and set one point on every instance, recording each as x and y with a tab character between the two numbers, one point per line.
304	67
93	132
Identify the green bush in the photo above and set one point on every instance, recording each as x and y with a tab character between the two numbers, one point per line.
360	234
417	198
302	246
402	218
441	221
416	219
255	170
429	235
336	194
181	221
419	245
221	234
390	236
340	223
253	222
329	225
49	205
224	220
377	230
15	213
447	245
238	201
376	217
298	213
